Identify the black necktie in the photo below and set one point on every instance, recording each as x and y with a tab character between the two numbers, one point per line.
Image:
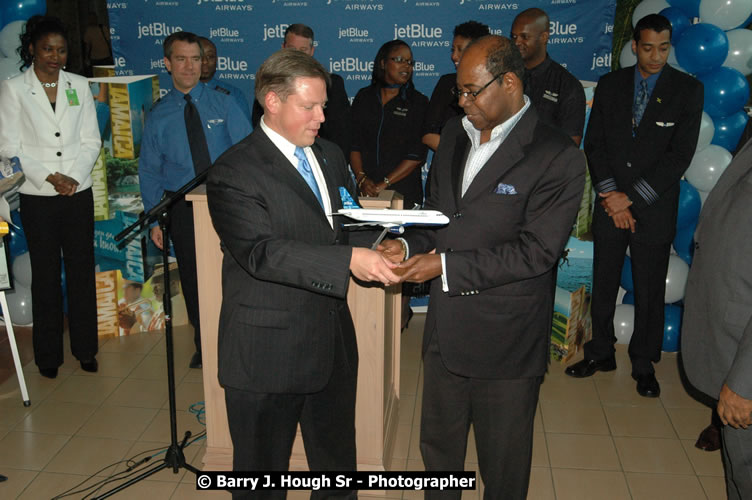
196	137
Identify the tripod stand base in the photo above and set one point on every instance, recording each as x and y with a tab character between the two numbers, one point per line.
174	459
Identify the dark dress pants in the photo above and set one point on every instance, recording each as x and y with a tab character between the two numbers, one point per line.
649	268
502	413
56	225
184	241
263	426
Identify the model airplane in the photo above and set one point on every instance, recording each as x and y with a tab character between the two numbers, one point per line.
391	220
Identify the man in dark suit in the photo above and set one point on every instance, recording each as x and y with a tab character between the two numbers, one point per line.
338	125
640	139
717	325
511	186
287	348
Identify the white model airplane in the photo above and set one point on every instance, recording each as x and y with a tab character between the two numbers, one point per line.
391	220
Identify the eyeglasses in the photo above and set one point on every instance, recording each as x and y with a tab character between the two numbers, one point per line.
470	96
400	59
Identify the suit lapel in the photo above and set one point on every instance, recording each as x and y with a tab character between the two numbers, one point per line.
623	102
61	105
459	159
38	95
661	92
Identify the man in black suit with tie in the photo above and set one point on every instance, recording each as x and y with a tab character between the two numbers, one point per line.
287	348
640	139
338	125
511	185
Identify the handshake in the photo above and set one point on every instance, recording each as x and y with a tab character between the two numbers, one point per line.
386	264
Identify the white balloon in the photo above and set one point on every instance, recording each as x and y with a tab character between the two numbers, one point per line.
726	14
22	270
707	166
19	305
10	38
703	196
676	279
707	129
627	57
649	7
9	67
623	323
740	51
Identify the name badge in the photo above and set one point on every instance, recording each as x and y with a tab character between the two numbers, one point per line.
72	97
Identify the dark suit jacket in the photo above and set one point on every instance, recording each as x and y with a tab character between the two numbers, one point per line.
285	270
646	167
717	326
337	126
500	248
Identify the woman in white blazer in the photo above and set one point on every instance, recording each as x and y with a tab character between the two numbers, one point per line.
48	121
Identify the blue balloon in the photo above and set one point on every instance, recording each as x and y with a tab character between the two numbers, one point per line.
16	237
672	316
689	205
21	10
702	48
628	298
726	91
679	22
728	130
691	8
626	275
684	243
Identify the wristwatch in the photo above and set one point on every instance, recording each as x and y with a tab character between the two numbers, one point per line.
387	182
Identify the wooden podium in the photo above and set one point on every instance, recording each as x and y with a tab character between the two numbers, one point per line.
376	314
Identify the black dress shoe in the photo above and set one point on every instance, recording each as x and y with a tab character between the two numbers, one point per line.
710	439
48	372
647	386
196	360
90	366
588	367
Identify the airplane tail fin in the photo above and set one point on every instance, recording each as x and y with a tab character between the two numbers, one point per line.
347	201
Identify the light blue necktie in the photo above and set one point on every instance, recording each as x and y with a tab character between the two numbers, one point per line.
305	170
641	102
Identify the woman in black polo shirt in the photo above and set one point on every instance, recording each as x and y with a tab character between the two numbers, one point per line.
387	116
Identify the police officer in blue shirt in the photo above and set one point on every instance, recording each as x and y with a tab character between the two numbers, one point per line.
208	70
166	162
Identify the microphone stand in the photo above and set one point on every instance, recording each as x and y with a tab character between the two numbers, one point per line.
174	458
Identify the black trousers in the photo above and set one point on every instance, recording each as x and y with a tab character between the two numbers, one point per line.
263	427
649	267
502	413
184	241
55	226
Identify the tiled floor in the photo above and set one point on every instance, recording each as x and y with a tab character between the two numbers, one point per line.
594	438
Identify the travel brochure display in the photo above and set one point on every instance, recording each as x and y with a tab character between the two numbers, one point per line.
126	301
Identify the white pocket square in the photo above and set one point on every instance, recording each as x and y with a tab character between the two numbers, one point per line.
505	189
665	124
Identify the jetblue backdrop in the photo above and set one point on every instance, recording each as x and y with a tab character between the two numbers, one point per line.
349	33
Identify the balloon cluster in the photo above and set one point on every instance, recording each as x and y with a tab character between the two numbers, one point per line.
13	17
718	51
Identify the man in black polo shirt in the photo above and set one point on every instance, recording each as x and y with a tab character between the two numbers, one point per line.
558	96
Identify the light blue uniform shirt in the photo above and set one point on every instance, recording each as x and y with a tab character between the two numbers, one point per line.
165	162
239	95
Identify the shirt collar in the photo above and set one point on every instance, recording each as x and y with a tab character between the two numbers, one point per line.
542	67
196	92
652	79
500	131
286	147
